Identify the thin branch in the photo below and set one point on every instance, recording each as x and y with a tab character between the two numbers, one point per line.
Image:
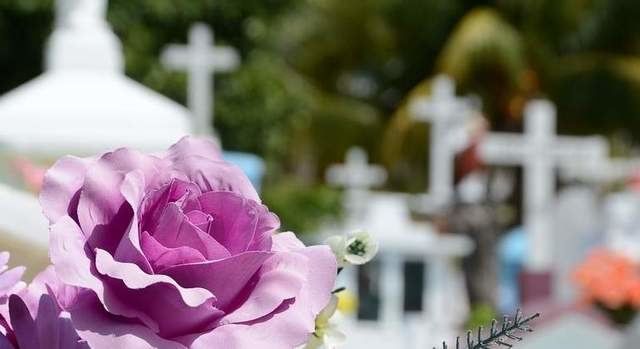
504	336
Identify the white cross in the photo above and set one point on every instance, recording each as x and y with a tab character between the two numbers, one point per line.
356	176
201	59
540	151
447	114
609	170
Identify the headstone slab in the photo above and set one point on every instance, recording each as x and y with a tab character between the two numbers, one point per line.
578	223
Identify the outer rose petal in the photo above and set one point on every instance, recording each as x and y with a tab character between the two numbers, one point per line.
280	278
73	266
158	301
61	184
235	218
191	146
225	278
103	330
290	327
213	175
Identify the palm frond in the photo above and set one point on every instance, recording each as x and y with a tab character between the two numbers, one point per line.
503	336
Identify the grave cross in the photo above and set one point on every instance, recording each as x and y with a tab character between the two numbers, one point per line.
447	114
356	176
540	152
201	59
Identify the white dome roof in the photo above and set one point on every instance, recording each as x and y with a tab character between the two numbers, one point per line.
83	103
84	111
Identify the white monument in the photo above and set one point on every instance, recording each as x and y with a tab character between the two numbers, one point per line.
447	115
387	218
539	151
401	239
83	103
357	177
201	59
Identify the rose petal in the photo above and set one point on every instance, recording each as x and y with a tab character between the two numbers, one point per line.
175	230
66	249
280	278
225	278
292	324
73	266
155	201
129	249
286	241
213	175
102	330
134	278
192	146
162	257
167	307
61	183
238	222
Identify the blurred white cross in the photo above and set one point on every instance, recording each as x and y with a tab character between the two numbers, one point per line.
447	115
201	59
540	152
356	176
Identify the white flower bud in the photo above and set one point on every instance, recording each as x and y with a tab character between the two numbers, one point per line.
357	248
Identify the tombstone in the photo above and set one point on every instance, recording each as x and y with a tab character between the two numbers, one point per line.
622	229
447	115
539	151
577	229
356	176
607	171
201	59
401	239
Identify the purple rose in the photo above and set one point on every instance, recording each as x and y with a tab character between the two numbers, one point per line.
175	250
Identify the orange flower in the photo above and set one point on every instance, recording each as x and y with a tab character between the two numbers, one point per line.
609	278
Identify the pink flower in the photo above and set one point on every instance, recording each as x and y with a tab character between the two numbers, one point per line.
175	250
50	329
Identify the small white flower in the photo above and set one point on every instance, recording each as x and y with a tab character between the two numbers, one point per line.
326	333
357	248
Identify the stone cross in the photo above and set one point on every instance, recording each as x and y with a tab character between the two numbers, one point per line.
447	114
356	176
201	59
540	152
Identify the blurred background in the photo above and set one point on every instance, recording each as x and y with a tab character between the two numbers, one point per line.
491	146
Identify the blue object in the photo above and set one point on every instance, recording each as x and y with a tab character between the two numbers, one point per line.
512	250
252	165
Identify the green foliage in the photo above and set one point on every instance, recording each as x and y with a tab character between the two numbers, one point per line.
302	208
320	76
480	314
